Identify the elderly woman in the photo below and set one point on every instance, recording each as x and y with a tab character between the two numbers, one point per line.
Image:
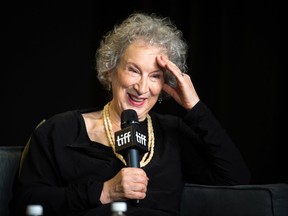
72	167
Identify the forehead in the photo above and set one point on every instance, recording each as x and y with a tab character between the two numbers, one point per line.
140	48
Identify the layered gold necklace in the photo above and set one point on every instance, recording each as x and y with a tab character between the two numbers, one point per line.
110	135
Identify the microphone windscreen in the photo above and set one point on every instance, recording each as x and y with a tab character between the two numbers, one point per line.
129	117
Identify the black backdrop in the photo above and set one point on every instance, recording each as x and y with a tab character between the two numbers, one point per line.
48	59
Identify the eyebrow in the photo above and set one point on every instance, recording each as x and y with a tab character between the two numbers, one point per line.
127	63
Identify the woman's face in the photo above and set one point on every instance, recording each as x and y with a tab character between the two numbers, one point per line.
137	80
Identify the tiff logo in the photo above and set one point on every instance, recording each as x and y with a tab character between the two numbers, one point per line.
126	137
141	138
123	138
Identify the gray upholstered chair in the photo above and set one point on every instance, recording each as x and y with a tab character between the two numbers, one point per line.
241	200
9	164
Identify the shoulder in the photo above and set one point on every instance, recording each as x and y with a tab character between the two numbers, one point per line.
198	112
70	120
165	120
59	122
63	118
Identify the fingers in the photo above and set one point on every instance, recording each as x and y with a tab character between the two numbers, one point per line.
129	183
134	175
134	183
184	93
170	66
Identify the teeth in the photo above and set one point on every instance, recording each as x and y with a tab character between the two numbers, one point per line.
136	99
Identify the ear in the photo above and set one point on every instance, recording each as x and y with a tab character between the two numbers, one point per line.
110	74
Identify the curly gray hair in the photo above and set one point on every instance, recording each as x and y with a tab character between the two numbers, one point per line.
153	30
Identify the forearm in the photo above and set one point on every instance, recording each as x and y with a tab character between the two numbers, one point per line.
225	162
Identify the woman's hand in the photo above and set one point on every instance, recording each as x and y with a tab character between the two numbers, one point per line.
184	93
129	183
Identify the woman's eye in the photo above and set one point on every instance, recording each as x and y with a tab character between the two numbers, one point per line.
131	68
133	72
156	77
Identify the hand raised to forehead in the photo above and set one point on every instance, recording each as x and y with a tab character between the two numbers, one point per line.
184	93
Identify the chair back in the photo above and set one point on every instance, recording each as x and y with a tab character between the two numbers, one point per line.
9	165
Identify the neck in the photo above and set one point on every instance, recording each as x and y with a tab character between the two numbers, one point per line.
115	117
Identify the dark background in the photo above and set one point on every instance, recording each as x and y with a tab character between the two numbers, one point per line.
48	67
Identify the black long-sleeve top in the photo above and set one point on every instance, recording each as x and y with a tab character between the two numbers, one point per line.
64	170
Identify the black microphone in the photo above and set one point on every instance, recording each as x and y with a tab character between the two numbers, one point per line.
130	140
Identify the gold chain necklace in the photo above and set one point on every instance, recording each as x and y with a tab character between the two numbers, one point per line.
110	135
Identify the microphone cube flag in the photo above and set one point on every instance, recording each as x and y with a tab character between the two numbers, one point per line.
130	138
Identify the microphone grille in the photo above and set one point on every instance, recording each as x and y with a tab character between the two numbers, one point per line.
129	117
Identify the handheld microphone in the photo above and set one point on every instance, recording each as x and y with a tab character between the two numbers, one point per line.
129	141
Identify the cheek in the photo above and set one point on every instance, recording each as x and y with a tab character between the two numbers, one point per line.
126	81
122	82
156	88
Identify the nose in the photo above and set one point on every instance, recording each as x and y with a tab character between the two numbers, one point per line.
142	85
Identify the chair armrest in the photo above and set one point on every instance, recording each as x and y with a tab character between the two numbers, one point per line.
240	200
